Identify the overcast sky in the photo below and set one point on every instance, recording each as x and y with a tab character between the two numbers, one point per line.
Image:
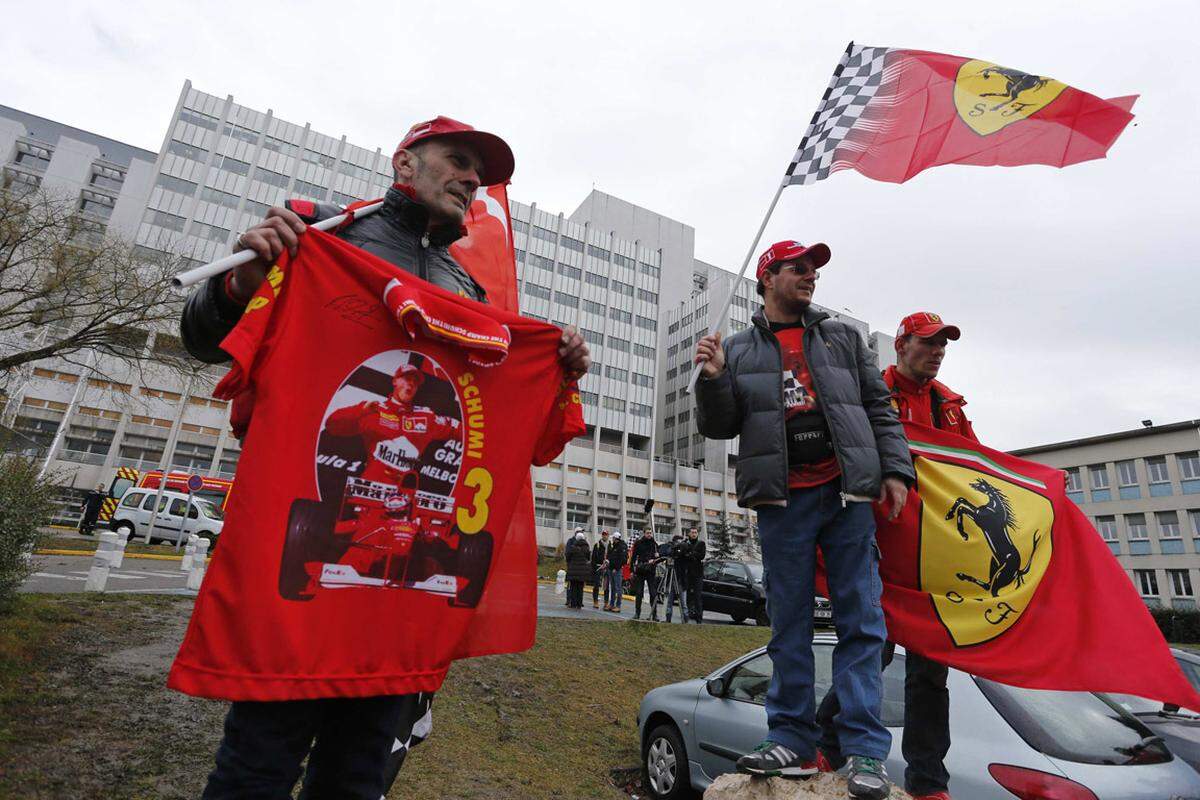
1076	289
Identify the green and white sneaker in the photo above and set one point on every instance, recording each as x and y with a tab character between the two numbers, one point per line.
770	760
867	778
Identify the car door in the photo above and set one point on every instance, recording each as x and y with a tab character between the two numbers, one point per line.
144	513
711	587
730	726
170	517
738	587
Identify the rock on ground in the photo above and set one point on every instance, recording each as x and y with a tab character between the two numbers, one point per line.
825	785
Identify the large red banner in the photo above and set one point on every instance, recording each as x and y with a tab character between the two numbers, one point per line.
992	569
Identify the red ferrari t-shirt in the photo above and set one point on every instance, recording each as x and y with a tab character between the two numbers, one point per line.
800	397
389	427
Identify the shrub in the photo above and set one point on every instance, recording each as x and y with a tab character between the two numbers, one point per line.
1177	625
25	505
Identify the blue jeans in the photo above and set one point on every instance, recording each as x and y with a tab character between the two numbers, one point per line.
846	535
614	589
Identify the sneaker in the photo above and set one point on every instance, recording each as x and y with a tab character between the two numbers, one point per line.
867	779
774	760
933	796
824	764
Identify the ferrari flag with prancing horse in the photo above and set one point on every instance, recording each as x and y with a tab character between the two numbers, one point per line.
992	569
890	113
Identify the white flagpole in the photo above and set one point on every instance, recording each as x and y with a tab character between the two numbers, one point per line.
720	320
194	276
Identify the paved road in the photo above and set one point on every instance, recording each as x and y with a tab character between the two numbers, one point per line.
63	574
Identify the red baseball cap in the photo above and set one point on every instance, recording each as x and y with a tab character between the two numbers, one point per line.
410	372
497	157
790	251
926	324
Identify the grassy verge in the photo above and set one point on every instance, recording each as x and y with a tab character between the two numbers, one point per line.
84	713
49	541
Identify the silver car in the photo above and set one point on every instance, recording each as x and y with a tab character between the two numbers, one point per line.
1007	742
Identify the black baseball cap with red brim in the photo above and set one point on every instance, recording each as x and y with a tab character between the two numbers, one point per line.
498	162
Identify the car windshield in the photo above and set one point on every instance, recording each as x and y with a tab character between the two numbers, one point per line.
1075	726
209	509
756	572
1142	705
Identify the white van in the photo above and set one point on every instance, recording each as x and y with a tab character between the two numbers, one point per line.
132	516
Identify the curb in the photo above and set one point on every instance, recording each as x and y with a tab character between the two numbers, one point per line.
151	556
548	582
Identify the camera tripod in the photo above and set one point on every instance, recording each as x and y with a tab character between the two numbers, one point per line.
670	586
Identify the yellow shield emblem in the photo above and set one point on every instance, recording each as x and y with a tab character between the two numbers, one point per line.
985	543
990	97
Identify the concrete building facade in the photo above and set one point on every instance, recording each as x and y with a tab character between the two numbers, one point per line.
1141	490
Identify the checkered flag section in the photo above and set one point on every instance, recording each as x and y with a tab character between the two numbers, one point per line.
415	727
854	85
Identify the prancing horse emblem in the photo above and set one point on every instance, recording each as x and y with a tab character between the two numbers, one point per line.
996	520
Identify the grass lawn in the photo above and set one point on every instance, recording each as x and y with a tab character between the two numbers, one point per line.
83	710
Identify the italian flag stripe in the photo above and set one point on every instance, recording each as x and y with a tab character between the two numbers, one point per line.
970	455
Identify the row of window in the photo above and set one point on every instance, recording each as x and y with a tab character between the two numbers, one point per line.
1158	478
1136	529
1180	581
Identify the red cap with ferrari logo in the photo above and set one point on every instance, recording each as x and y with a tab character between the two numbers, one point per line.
790	251
497	157
926	324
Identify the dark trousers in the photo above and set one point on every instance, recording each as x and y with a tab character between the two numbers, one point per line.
575	594
88	523
692	584
640	583
597	580
926	724
348	741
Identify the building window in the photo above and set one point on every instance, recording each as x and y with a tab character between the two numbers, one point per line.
569	271
648	296
192	456
1194	516
639	410
643	380
169	221
1107	526
642	350
572	244
537	291
670	398
589	398
1147	582
596	279
1126	473
619	315
598	252
593	308
647	323
1156	469
1098	477
1136	525
617	343
568	300
210	195
613	403
199	118
1074	481
520	226
320	159
616	373
106	178
306	189
1181	582
685	415
543	234
33	157
173	184
1168	524
1189	465
280	146
210	232
231	164
622	288
238	132
186	150
276	179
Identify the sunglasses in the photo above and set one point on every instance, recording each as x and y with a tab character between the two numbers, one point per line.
799	269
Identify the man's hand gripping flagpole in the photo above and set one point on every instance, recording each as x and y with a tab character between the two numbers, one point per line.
719	322
221	266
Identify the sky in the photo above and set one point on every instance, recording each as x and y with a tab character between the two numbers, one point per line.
1075	289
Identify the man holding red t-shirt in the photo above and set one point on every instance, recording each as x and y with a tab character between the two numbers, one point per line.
819	442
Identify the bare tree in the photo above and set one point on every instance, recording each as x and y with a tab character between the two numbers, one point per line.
68	291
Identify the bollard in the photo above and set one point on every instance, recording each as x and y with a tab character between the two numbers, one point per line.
118	553
189	551
560	582
196	575
98	575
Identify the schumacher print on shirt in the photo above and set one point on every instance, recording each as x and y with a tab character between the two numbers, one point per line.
389	428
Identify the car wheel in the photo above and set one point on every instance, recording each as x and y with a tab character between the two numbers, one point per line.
738	619
665	771
310	523
473	561
761	619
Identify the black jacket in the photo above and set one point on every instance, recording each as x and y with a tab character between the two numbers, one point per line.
643	550
600	552
396	233
618	552
746	400
578	555
693	559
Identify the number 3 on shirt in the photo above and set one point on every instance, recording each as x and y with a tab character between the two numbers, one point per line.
472	520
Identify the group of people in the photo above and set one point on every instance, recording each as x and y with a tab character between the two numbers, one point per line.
821	441
607	563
